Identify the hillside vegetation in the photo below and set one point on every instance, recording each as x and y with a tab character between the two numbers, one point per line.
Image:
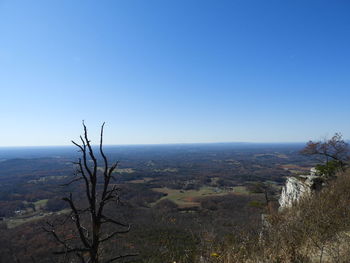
317	229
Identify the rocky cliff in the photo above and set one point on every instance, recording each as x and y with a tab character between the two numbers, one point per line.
297	187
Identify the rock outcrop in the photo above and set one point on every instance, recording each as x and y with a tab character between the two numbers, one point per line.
297	187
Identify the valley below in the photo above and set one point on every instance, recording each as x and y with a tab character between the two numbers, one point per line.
187	194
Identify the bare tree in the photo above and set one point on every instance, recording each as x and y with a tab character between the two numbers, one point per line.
86	242
334	153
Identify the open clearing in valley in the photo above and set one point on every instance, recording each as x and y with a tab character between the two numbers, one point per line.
189	198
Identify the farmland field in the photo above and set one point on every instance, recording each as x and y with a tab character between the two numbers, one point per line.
189	198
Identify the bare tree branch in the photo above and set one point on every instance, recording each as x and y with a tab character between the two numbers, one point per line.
114	234
120	257
91	237
76	215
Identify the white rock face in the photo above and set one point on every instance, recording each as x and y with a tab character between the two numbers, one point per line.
298	187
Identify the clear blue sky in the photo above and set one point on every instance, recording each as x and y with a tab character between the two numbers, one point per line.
171	71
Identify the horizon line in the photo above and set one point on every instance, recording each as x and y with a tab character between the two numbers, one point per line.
150	144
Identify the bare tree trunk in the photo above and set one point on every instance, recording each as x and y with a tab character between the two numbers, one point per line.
97	200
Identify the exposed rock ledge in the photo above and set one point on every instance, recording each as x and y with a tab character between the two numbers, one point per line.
297	187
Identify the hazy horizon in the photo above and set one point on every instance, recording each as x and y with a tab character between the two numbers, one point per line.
146	144
54	151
